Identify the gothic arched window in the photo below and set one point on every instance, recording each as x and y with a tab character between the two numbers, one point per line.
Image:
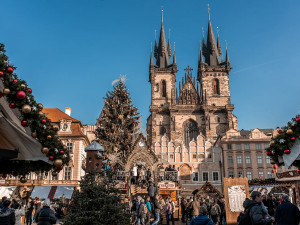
162	131
190	132
216	86
164	88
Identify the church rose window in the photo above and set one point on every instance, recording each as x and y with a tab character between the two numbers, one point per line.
190	132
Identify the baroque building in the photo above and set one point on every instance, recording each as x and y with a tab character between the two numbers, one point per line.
186	122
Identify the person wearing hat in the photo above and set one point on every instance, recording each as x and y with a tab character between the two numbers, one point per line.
256	212
202	218
287	213
45	215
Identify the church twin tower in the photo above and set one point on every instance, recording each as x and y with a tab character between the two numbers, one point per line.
185	112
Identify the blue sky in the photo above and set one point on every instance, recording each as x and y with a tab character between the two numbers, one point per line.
70	51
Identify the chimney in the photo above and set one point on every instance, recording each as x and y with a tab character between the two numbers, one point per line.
68	111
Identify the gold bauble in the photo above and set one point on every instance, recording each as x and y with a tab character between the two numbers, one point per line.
40	107
58	162
26	109
65	147
41	114
23	86
49	137
33	134
6	91
45	150
23	180
289	131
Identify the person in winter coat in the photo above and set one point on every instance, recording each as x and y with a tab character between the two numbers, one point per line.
7	216
45	216
157	208
287	213
149	208
151	191
202	219
195	205
215	212
29	210
19	212
137	208
173	211
256	212
142	212
168	211
183	209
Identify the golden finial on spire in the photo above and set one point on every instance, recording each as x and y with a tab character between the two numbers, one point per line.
208	11
162	14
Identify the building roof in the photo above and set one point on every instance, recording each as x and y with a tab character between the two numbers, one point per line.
56	115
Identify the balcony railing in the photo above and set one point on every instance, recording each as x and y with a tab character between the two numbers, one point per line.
167	176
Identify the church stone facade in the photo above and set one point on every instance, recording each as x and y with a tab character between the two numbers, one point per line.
186	120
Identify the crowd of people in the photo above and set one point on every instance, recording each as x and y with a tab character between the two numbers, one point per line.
32	210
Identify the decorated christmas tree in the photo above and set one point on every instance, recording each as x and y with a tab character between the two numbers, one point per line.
118	122
97	203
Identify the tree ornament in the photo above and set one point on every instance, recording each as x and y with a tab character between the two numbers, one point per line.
23	86
298	119
54	173
29	90
273	171
121	116
12	105
56	151
51	158
15	81
43	121
65	156
279	131
1	74
275	167
272	161
289	131
40	106
6	91
26	109
298	170
49	137
24	123
20	95
9	70
269	153
58	162
23	180
4	175
45	150
293	138
281	141
61	152
65	147
41	114
33	134
287	151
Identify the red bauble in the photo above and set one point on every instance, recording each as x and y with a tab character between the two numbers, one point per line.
9	70
275	167
61	152
20	95
293	138
43	121
287	151
4	175
51	157
298	170
12	105
298	119
279	131
61	167
49	120
29	90
269	153
273	171
1	74
15	81
24	123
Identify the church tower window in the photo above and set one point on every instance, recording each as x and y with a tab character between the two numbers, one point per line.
162	131
216	86
164	88
190	132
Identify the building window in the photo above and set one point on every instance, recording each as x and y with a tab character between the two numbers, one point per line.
216	86
171	156
70	147
248	159
261	175
269	175
218	119
215	176
240	174
238	146
229	146
267	145
204	176
258	146
246	146
231	174
201	156
230	159
249	175
209	155
239	159
190	132
162	131
268	159
164	88
194	156
259	159
68	171
195	176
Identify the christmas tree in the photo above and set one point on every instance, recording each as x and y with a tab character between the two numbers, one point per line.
118	121
97	203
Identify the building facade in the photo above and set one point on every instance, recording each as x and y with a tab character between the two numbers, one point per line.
245	155
186	121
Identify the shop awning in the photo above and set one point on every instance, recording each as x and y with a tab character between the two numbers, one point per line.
61	191
6	191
